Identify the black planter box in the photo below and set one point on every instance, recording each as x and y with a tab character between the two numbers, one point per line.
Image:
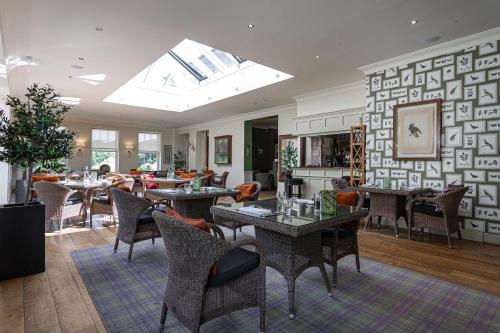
22	240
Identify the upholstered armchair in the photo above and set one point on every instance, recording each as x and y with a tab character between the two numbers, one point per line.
102	201
243	197
343	240
193	293
219	181
60	202
136	222
438	213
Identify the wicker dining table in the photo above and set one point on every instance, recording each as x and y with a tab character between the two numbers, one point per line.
291	244
86	189
193	204
389	203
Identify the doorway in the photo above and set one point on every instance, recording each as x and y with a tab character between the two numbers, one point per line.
261	159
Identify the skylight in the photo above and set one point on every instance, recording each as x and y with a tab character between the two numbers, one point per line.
192	74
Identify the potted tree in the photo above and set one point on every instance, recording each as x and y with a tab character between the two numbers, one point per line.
289	162
179	161
34	136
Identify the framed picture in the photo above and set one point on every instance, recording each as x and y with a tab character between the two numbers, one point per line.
167	154
417	131
223	149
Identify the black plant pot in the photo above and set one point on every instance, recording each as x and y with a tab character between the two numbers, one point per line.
22	240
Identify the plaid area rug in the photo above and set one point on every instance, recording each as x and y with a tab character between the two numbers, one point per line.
382	298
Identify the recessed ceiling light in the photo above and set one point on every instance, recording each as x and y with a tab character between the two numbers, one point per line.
251	26
317	57
77	66
81	58
99	29
413	22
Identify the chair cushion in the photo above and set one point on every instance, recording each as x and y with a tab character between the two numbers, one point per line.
330	233
52	179
151	186
117	179
73	201
197	223
246	190
146	217
102	199
427	209
124	187
188	175
347	198
233	264
208	172
366	203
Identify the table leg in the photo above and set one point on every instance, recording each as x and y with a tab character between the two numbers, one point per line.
291	297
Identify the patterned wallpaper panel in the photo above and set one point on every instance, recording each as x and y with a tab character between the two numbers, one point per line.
467	81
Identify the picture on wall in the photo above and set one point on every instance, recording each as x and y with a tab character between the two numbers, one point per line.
223	152
417	130
167	154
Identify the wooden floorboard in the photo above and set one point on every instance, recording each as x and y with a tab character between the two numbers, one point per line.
58	301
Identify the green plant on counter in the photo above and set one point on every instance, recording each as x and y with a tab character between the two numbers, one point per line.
179	160
289	154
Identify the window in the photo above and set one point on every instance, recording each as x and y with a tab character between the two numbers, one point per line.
149	151
191	75
104	149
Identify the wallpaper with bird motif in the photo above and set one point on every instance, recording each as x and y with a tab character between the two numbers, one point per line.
468	82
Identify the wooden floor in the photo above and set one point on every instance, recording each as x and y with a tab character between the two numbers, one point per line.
57	300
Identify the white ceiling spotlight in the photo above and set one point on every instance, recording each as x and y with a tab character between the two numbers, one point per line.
413	22
251	26
317	57
69	100
92	79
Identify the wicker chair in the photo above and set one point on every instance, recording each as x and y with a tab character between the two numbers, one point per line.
219	181
103	204
234	225
438	213
136	222
60	202
342	241
192	294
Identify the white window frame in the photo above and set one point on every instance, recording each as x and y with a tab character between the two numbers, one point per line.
158	149
116	150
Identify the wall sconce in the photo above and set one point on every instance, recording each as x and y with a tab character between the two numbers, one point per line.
80	145
129	150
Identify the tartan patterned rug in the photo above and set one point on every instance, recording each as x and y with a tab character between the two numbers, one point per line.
383	298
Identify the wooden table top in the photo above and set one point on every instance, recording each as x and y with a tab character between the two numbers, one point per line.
393	190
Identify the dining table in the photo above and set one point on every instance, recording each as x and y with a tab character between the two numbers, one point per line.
389	203
291	243
86	188
193	204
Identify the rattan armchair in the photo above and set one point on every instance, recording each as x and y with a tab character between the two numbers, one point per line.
192	293
341	241
219	181
103	204
438	213
136	222
234	225
60	202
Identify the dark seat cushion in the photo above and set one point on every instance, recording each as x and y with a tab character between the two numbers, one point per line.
73	201
330	233
232	265
366	203
101	199
427	209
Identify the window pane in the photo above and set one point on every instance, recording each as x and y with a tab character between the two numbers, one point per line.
104	139
149	142
103	157
148	161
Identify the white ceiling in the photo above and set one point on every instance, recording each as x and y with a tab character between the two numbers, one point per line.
288	35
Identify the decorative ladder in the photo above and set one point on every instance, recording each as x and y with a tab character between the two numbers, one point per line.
357	161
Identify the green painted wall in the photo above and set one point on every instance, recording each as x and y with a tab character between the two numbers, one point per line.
248	146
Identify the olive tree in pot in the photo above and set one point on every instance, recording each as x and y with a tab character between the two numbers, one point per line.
34	136
289	162
179	160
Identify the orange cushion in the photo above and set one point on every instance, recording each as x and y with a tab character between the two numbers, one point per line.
124	187
52	179
178	172
117	179
135	172
208	172
188	175
347	198
246	190
197	223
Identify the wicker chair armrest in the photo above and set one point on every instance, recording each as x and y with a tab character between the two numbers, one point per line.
152	204
253	242
241	199
96	191
217	232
